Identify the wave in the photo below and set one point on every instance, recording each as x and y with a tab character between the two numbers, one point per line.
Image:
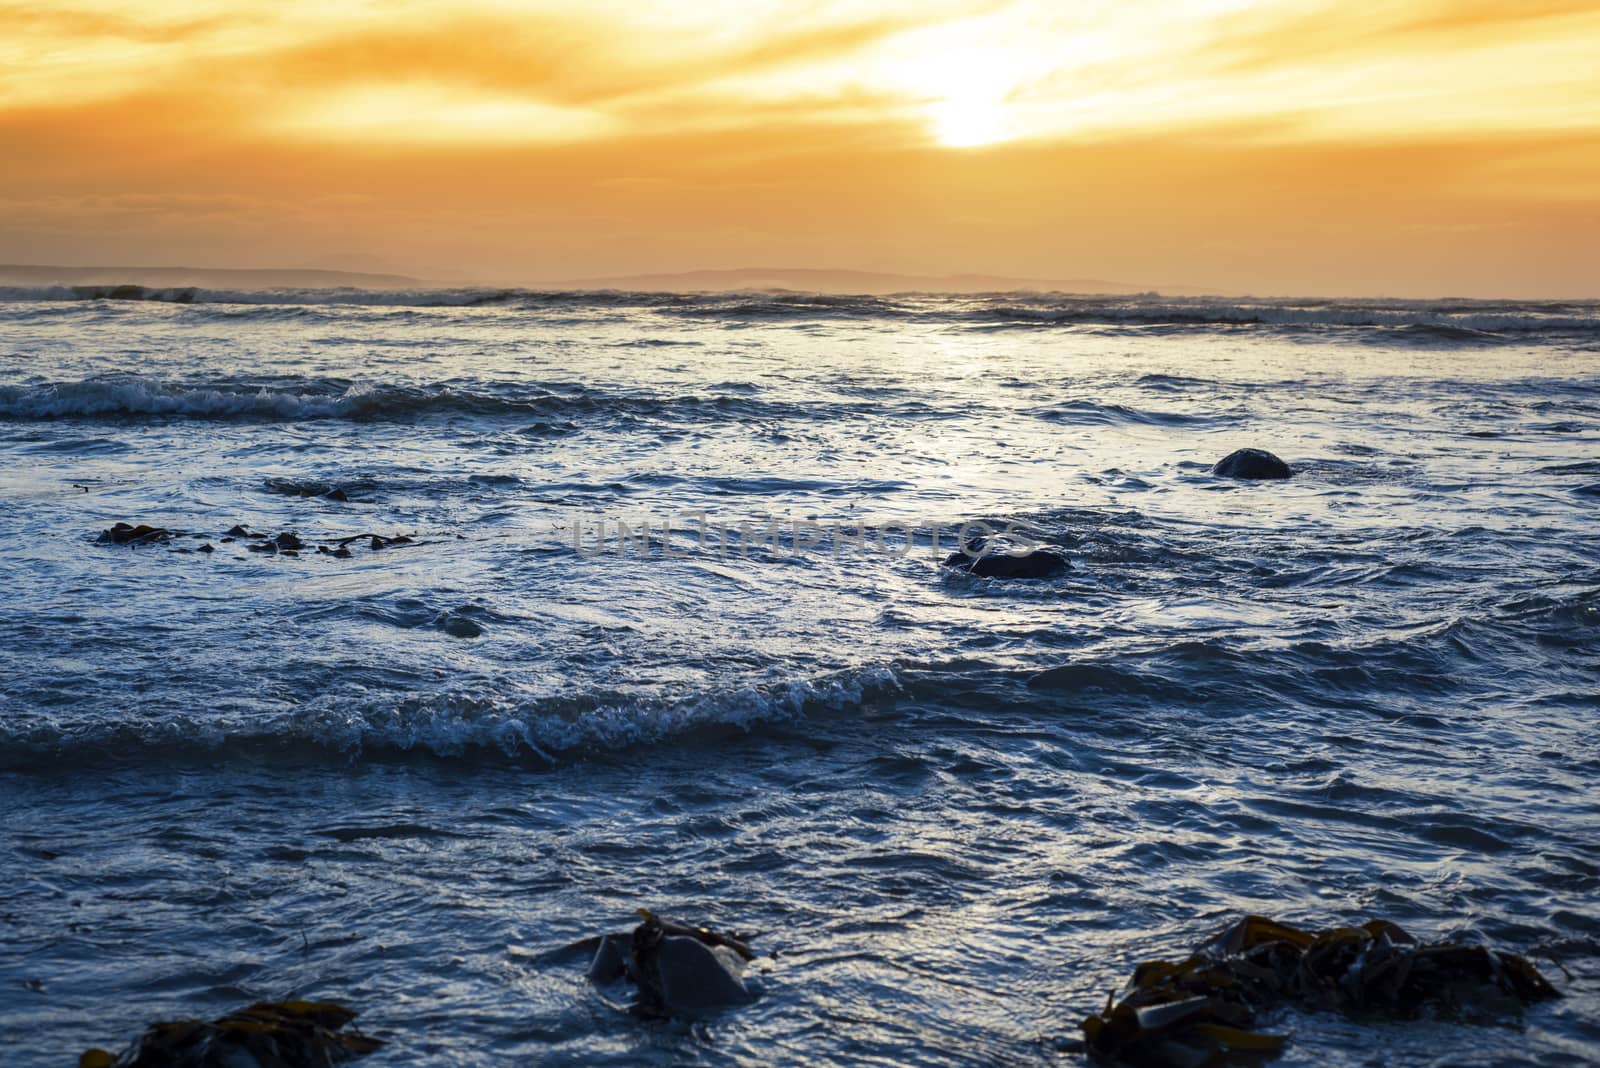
1440	321
1419	321
297	399
462	724
1091	413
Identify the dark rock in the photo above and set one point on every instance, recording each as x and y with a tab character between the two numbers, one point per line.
238	531
1202	1010
1038	563
458	626
206	548
610	961
679	970
283	1034
263	547
289	540
686	971
1251	463
336	494
290	488
128	534
342	553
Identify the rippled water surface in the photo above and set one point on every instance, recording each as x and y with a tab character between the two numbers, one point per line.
960	809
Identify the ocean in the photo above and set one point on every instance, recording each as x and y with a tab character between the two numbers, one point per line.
622	600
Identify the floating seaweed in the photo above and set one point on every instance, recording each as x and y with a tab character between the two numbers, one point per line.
277	1034
1201	1012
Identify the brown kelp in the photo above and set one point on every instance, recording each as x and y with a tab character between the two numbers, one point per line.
1201	1012
275	1034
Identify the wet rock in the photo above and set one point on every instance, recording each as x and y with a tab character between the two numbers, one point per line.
1039	563
206	548
291	488
381	542
458	626
238	531
680	970
1202	1010
610	961
289	540
1252	464
282	1034
991	558
130	534
263	547
342	553
686	971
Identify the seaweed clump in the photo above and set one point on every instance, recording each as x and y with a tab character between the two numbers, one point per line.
1202	1011
271	1034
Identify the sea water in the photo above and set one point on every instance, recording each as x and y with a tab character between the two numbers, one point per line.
670	631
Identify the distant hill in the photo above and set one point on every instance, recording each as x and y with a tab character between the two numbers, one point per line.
826	281
203	277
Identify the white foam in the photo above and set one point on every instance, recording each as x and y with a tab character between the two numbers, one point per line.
141	396
455	724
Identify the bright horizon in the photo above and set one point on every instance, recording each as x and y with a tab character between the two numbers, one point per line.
1411	148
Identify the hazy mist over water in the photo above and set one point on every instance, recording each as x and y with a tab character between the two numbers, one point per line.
960	808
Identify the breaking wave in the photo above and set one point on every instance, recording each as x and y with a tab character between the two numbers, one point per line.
308	399
443	725
1439	321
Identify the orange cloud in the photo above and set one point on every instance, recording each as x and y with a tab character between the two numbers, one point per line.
1412	146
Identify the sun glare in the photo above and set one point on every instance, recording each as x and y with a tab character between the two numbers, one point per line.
961	79
968	122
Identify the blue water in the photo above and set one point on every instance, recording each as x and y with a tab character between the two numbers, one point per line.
961	809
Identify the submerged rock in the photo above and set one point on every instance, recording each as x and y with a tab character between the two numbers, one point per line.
280	1034
680	970
1039	563
129	534
1251	463
1201	1010
989	558
292	488
458	626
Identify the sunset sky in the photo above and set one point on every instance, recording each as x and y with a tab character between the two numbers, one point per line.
1404	147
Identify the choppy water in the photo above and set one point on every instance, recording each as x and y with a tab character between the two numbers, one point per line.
962	808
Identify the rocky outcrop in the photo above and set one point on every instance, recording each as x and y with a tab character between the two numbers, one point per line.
1251	463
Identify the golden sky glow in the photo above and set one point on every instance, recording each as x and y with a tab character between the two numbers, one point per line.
1410	146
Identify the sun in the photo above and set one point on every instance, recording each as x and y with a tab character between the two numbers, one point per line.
959	79
969	121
